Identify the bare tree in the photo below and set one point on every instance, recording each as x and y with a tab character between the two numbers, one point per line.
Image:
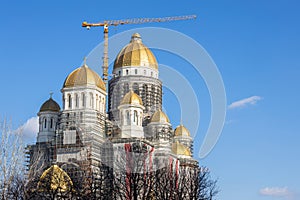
132	179
186	182
205	187
164	185
11	162
195	183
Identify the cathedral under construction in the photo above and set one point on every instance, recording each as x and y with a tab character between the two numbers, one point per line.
105	131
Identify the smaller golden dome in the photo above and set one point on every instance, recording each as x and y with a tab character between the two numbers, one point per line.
50	105
135	54
159	116
182	131
54	178
131	98
84	76
180	149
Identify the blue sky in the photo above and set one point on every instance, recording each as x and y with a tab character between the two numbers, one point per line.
255	45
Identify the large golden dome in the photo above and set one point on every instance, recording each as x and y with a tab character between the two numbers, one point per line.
182	131
131	98
50	105
159	116
84	76
136	54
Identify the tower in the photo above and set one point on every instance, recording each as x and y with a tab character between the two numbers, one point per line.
135	68
160	130
41	155
81	131
131	114
182	135
48	119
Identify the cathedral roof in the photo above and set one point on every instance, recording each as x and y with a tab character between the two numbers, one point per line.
131	98
50	105
54	178
84	76
135	54
182	131
180	149
159	116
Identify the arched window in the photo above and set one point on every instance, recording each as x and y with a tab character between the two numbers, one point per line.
45	123
97	103
103	104
135	117
127	72
100	104
83	99
91	100
76	100
70	101
64	103
127	118
51	123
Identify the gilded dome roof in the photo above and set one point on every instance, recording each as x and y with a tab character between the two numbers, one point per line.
131	98
180	149
54	178
84	76
50	105
159	116
135	54
182	131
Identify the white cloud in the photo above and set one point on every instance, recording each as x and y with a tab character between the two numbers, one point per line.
30	128
244	102
275	191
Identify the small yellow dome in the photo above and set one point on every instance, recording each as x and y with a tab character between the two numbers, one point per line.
84	76
181	131
136	54
131	98
159	116
54	178
50	105
180	149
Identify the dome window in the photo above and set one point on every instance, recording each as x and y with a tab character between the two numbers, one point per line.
51	123
135	117
76	100
83	99
70	101
45	123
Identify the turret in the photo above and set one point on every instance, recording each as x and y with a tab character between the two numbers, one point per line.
160	130
48	118
131	114
182	135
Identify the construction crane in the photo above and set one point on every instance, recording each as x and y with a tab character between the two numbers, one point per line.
108	23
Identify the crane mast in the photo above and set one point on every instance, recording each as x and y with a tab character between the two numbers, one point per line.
108	23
